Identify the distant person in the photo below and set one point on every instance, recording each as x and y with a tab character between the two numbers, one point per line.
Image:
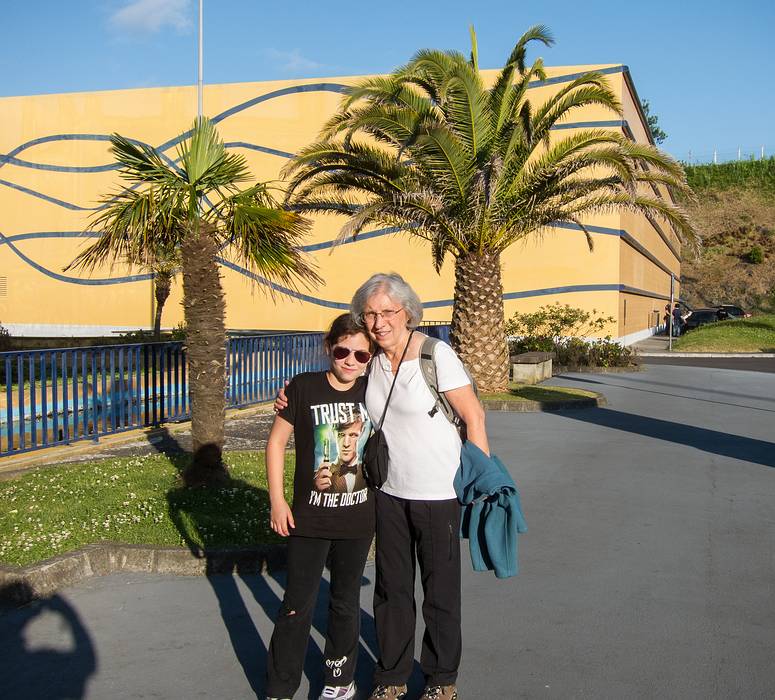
722	314
678	320
666	318
332	524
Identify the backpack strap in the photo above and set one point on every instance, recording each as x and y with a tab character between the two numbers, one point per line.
428	371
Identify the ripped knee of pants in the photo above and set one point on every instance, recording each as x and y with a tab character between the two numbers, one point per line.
287	610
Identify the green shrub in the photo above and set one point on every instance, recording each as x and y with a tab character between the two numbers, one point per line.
756	255
5	338
563	330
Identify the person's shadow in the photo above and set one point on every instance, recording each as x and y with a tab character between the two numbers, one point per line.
193	511
45	673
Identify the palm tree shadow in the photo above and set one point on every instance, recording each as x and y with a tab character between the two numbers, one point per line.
313	659
705	439
47	672
193	513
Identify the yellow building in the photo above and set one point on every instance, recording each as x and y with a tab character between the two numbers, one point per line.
55	165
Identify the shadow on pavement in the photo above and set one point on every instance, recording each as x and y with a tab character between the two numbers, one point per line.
712	441
673	394
192	511
44	673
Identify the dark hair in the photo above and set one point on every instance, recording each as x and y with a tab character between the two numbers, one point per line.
345	326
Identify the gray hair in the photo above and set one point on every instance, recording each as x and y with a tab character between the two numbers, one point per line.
396	288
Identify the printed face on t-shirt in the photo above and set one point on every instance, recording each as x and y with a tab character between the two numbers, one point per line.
347	436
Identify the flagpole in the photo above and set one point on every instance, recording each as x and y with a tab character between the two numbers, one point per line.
199	78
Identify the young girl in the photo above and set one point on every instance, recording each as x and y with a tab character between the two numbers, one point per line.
332	514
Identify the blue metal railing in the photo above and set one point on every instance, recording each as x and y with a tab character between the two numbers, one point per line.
55	397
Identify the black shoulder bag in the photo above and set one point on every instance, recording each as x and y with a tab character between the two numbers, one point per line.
375	453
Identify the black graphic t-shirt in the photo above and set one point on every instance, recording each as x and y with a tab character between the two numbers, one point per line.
330	428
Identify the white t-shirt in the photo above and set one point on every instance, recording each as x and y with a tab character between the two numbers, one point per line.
424	451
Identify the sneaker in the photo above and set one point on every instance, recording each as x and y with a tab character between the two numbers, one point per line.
388	692
440	692
338	692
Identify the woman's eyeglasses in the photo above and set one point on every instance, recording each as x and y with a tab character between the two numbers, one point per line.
387	315
340	352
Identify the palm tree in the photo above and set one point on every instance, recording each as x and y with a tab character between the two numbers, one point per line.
165	208
432	152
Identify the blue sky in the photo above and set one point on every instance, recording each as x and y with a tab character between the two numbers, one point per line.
706	67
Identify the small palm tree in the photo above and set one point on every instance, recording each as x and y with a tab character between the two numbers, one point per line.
164	267
167	208
432	152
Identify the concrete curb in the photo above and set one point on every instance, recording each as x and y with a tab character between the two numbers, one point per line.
700	355
542	406
21	585
564	369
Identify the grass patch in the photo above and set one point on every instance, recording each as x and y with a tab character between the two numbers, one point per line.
136	500
756	334
543	394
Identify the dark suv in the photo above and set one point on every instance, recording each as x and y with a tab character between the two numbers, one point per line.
699	317
733	311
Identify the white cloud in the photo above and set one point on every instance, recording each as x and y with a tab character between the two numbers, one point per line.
153	15
292	61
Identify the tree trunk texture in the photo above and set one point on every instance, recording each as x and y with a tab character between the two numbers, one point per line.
478	329
162	284
204	309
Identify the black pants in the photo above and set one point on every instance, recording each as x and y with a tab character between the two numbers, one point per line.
306	559
408	532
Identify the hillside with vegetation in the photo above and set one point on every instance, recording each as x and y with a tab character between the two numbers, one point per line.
735	214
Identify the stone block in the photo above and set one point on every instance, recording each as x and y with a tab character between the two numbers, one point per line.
531	372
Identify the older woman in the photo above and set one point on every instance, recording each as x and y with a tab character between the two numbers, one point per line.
418	514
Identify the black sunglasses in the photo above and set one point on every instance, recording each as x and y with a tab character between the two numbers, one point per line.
340	352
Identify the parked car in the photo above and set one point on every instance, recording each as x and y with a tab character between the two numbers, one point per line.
700	317
734	311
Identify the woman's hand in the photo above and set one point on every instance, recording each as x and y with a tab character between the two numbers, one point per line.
281	518
281	400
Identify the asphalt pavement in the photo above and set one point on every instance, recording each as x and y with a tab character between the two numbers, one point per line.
648	571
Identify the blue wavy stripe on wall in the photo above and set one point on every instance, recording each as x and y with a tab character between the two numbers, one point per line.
293	89
262	149
313	87
72	280
11	158
8	240
86	169
173	163
568	77
48	234
324	245
47	198
283	290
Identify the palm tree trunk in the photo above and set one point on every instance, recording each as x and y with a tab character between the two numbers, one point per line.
477	320
162	284
204	308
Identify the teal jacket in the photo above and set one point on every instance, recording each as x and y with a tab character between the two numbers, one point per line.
492	514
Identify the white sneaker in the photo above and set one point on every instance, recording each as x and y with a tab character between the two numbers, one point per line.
338	692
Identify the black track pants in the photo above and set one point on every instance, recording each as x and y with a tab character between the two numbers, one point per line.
408	532
306	559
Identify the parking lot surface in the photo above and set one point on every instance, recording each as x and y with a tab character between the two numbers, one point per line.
647	572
